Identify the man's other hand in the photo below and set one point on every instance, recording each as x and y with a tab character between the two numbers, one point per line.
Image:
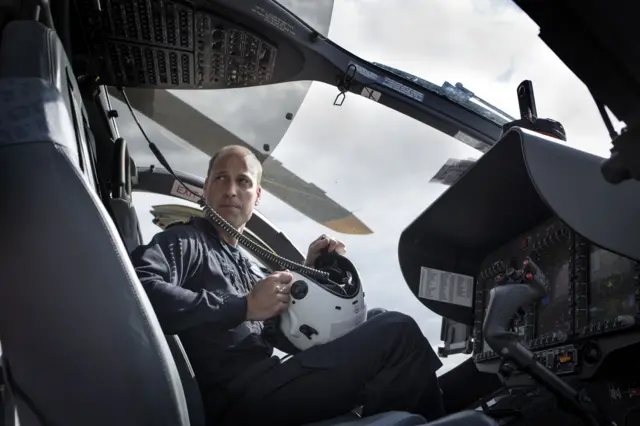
269	297
322	243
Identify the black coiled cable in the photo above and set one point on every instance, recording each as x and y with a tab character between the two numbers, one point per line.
256	248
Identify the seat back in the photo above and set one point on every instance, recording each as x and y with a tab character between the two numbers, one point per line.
189	384
5	403
80	341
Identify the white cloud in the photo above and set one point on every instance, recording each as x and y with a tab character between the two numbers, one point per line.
378	162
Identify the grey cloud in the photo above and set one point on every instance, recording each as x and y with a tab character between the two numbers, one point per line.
508	73
316	13
426	32
364	154
492	7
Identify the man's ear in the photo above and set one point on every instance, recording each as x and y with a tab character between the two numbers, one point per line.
205	188
259	194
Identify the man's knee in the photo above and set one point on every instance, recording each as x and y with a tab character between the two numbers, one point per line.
375	311
395	317
397	324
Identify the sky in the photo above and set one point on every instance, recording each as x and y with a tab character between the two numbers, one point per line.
377	162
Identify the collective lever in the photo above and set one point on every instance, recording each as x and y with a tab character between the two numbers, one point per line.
519	291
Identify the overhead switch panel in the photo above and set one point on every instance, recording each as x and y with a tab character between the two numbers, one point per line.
169	44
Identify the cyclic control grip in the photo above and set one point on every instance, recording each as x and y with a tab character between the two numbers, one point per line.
504	302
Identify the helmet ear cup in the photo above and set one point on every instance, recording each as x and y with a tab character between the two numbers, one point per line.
274	335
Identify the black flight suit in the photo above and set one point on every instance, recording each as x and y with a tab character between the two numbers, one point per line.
196	284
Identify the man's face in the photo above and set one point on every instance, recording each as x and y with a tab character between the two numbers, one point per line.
232	189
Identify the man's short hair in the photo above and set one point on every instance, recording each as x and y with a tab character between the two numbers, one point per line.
238	149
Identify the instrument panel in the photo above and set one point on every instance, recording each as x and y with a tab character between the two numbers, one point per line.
592	292
173	44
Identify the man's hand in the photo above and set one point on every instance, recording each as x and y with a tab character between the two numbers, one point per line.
322	243
269	297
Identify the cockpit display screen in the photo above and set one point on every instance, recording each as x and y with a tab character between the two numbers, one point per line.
612	285
553	313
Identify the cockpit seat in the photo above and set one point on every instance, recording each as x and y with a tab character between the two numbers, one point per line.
79	336
189	384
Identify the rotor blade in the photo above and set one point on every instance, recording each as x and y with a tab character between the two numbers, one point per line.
309	200
203	137
181	119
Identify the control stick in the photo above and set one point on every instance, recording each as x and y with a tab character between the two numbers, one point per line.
514	293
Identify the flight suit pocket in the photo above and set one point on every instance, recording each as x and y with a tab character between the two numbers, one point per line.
280	376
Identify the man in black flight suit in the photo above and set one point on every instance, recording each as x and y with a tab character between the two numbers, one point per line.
204	289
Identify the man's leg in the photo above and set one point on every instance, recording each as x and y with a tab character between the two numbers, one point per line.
384	364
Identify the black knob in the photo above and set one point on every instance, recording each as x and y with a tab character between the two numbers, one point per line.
299	290
591	353
614	170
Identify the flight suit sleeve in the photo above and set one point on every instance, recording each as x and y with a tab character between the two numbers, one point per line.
163	265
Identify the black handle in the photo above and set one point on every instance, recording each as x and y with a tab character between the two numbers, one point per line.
505	301
614	170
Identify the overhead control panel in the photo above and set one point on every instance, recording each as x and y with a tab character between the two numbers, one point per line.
175	44
532	197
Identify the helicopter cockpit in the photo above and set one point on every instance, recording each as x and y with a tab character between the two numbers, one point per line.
541	280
